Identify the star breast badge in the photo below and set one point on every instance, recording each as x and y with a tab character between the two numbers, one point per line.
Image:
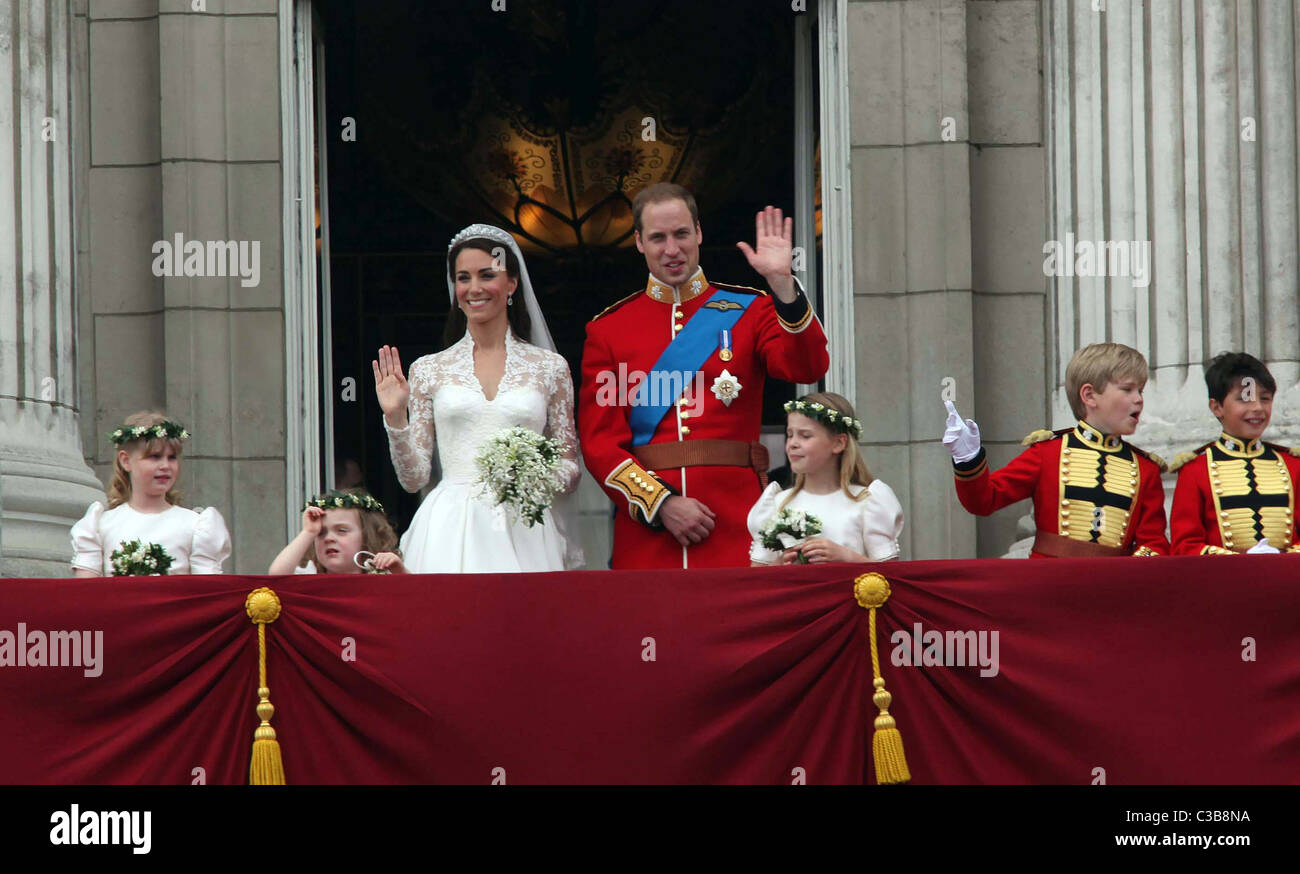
726	388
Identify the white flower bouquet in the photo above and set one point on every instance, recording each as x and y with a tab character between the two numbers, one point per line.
517	467
135	559
788	529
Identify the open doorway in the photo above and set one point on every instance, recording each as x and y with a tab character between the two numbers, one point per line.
544	121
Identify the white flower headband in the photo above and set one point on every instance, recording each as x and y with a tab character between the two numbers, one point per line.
166	430
833	419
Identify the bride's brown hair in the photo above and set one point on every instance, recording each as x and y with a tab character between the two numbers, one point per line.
516	313
119	487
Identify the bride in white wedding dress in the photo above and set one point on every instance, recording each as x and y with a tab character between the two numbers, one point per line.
492	378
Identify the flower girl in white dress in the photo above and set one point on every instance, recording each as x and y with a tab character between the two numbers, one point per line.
860	516
142	505
338	529
499	371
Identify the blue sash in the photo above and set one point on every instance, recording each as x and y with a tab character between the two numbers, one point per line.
676	367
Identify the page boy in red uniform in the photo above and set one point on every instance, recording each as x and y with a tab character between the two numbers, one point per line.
1094	494
1237	493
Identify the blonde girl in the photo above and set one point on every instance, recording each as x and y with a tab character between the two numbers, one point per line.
860	515
144	506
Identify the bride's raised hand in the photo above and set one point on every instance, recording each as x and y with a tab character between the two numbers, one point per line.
391	386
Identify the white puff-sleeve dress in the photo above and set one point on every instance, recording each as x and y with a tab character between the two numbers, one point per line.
870	526
198	542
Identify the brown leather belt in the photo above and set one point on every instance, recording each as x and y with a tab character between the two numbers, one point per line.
1058	546
695	453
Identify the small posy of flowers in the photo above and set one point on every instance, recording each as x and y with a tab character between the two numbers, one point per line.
517	468
163	430
789	529
833	419
135	559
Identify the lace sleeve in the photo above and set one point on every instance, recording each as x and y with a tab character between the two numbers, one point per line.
559	423
411	447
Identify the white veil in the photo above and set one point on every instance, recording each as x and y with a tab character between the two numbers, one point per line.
565	509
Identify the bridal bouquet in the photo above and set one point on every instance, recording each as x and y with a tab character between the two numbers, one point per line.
136	559
788	529
517	467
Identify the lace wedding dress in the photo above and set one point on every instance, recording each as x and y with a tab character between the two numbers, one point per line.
457	529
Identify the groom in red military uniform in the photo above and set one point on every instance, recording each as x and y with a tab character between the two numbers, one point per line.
672	388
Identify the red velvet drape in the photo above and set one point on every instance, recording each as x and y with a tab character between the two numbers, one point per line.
1131	666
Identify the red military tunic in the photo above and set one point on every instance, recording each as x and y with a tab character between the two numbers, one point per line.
1086	486
785	340
1230	495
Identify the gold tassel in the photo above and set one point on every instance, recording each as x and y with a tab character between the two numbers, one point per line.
265	768
872	591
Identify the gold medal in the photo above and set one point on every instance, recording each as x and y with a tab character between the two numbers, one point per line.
725	354
724	340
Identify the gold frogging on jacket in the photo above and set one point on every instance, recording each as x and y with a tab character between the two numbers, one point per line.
871	592
265	768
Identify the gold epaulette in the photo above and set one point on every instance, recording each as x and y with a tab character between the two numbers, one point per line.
617	304
1042	434
1151	457
1186	457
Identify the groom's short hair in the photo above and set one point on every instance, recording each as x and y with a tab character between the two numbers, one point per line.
658	193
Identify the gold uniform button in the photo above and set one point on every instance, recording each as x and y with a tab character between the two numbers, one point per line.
686	414
676	328
686	429
678	314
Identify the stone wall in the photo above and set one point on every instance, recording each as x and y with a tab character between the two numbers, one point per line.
950	213
182	135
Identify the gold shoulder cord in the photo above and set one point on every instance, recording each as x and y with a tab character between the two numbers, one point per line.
872	591
266	767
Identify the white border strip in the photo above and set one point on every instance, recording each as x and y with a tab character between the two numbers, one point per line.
301	359
837	197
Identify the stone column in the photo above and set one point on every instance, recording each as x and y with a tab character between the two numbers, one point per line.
182	136
949	213
912	261
45	485
1195	152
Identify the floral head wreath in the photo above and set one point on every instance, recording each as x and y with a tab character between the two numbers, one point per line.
167	430
833	419
344	501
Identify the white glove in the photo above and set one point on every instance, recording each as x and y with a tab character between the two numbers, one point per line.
1263	548
961	438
